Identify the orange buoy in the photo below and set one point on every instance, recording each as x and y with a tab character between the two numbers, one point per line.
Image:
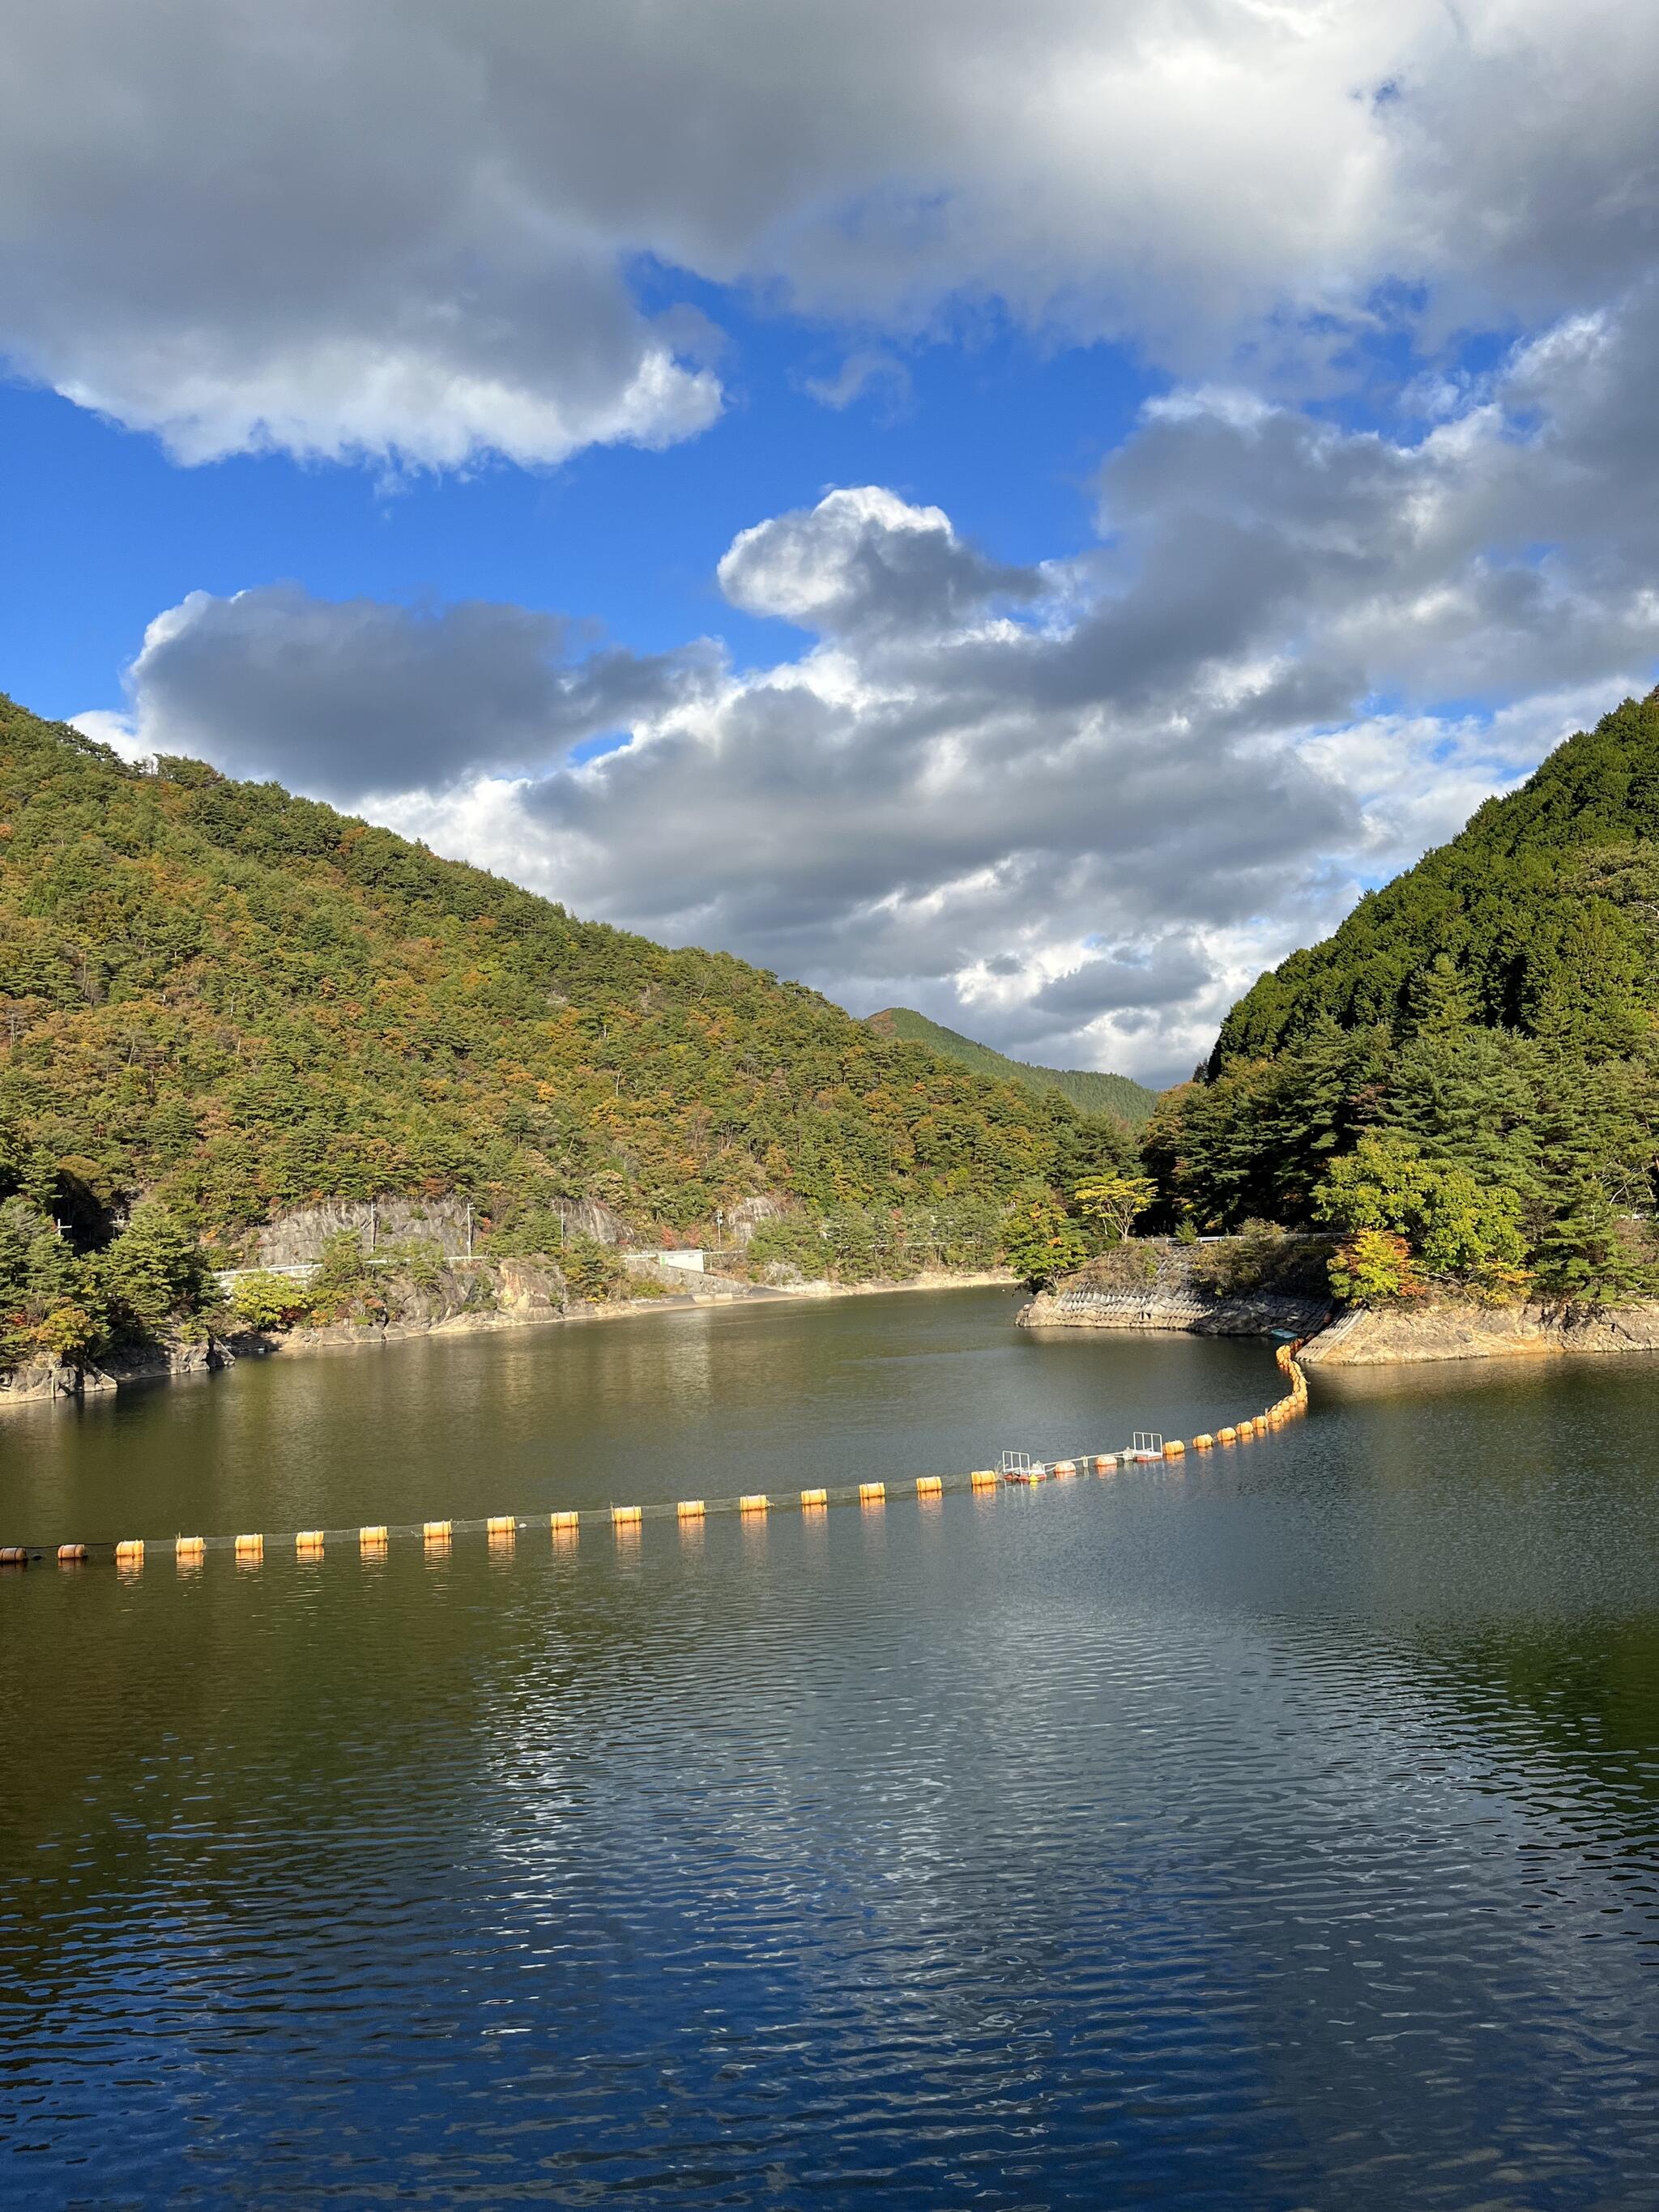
437	1532
502	1524
930	1485
372	1537
872	1493
190	1548
250	1547
70	1555
815	1498
565	1524
13	1555
754	1501
130	1551
1206	1443
983	1478
308	1539
1175	1449
627	1516
691	1509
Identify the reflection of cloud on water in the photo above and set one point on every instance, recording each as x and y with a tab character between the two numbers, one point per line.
950	1807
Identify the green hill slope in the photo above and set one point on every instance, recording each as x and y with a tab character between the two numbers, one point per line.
242	1001
1089	1090
1470	1064
1541	902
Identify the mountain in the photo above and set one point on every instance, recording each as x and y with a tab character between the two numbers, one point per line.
240	1002
1542	903
1465	1076
1089	1090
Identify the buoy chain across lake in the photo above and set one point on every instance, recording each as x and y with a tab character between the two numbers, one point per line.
373	1539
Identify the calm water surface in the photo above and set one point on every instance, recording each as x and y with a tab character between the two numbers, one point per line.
1277	1829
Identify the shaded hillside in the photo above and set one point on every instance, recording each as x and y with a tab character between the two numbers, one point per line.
1543	903
1089	1090
1463	1079
243	1001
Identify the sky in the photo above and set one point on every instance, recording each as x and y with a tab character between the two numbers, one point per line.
1021	513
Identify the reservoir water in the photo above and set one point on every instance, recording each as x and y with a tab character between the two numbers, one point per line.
1278	1829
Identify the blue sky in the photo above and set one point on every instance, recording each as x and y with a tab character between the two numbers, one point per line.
1004	434
1021	514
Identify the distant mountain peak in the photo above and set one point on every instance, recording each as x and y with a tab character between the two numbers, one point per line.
1091	1090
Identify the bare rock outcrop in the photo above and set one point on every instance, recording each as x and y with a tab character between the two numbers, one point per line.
1391	1336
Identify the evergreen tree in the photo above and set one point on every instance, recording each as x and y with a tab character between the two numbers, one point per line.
1587	989
153	1274
1443	1003
1470	1096
1583	1250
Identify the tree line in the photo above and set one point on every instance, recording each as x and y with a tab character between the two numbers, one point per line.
219	1003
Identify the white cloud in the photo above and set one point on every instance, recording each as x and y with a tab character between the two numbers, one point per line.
867	370
1073	810
401	228
861	559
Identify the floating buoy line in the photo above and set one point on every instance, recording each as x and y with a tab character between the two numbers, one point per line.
372	1542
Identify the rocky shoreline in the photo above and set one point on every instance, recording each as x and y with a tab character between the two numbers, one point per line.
525	1295
1372	1336
1161	1292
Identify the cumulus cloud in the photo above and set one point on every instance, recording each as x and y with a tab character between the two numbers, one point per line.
1073	810
348	698
865	560
399	227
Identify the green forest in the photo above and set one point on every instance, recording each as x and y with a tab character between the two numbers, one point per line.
1462	1081
221	1002
1091	1090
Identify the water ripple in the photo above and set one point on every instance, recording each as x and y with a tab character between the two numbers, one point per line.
1275	1834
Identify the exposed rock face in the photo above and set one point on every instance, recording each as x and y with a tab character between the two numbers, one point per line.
489	1294
37	1385
592	1216
528	1288
1157	1285
299	1237
1389	1336
747	1215
44	1385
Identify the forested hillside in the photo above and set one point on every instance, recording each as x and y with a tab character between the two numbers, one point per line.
1091	1090
234	1001
1465	1076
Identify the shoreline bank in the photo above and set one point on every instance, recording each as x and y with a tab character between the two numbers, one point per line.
51	1387
1425	1332
1374	1336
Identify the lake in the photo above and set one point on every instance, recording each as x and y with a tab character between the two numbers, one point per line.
1276	1828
